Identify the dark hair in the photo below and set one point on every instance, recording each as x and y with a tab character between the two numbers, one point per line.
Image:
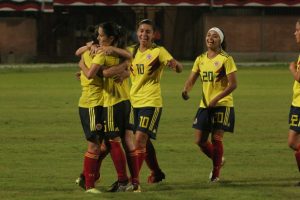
298	20
93	34
147	21
116	31
223	44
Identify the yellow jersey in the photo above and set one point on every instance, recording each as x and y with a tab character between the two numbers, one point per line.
146	71
113	92
92	89
296	89
213	73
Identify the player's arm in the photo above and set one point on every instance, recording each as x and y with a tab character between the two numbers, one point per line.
89	72
82	49
119	78
175	65
189	83
110	72
232	85
295	73
111	50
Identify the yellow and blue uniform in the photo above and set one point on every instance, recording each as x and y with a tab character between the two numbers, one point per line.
213	73
91	101
294	115
145	93
116	99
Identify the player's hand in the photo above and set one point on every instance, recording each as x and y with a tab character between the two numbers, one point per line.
213	103
185	95
293	66
172	64
77	75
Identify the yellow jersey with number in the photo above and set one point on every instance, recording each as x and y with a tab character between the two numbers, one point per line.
146	71
92	89
113	92
213	73
296	88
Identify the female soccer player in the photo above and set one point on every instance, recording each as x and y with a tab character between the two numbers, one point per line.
215	115
294	116
115	93
147	66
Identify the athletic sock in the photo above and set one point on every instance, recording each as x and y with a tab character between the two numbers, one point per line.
297	156
90	169
141	154
118	157
151	158
217	157
102	156
207	148
134	165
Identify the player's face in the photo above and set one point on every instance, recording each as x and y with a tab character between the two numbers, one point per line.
103	39
145	34
213	40
297	33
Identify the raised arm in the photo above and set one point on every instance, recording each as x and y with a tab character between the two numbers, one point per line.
295	73
82	49
189	83
232	85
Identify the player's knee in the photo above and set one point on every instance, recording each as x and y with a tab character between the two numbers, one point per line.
292	144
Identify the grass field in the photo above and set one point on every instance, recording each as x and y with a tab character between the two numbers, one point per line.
42	143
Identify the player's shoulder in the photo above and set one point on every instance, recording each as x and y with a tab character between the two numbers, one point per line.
224	54
201	56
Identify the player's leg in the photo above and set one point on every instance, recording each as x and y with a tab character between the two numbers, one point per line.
91	123
217	142
114	130
294	143
201	139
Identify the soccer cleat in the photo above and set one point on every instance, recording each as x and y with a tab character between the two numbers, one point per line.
80	181
215	180
133	188
118	186
155	178
93	191
113	187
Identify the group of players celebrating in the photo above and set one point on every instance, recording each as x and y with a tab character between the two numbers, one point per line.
121	102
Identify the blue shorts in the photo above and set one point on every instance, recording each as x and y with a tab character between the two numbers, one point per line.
91	122
116	119
217	118
294	118
146	120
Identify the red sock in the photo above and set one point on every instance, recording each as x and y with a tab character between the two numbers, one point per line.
151	159
90	169
217	157
118	157
134	165
102	156
297	156
207	148
141	154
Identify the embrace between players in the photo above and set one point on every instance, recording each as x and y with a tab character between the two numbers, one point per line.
119	114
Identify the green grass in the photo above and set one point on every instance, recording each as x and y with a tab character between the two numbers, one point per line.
42	142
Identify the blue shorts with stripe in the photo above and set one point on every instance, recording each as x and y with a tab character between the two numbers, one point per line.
146	120
91	122
217	118
294	118
116	119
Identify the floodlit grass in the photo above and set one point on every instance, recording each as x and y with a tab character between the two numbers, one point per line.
42	143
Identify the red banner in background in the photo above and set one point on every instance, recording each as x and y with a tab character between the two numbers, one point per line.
84	2
26	5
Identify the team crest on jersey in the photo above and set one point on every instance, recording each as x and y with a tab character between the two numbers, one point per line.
149	56
216	64
98	127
